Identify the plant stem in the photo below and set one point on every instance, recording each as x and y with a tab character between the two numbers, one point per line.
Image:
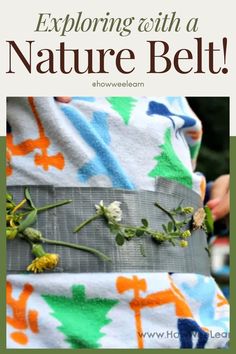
86	222
18	206
146	230
78	247
167	213
51	206
129	226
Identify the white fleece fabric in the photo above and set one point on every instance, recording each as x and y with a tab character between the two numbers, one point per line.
117	142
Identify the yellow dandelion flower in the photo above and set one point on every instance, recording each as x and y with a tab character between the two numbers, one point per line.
47	261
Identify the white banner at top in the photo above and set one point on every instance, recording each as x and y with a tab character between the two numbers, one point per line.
119	48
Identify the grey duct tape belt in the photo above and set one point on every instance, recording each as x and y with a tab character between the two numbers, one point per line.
58	224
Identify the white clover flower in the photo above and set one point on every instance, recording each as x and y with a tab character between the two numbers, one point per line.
99	207
115	211
112	212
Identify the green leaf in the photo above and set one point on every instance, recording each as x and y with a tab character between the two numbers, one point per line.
120	239
170	226
142	250
29	220
175	233
145	222
172	242
9	206
209	221
139	232
113	228
28	198
9	197
177	211
164	228
129	234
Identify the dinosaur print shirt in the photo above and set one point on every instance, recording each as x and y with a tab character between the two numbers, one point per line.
117	142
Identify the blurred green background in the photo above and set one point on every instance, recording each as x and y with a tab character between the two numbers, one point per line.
213	159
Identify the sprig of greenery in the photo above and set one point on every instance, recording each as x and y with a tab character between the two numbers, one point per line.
174	231
19	220
18	217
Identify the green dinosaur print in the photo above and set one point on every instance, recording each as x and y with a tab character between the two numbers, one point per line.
123	105
169	165
194	150
81	317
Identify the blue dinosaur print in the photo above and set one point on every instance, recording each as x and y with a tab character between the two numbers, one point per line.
100	124
84	98
178	100
205	294
187	328
96	135
162	110
95	167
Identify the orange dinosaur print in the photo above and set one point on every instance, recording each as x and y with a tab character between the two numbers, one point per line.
195	135
42	143
20	320
171	295
124	284
203	187
222	300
